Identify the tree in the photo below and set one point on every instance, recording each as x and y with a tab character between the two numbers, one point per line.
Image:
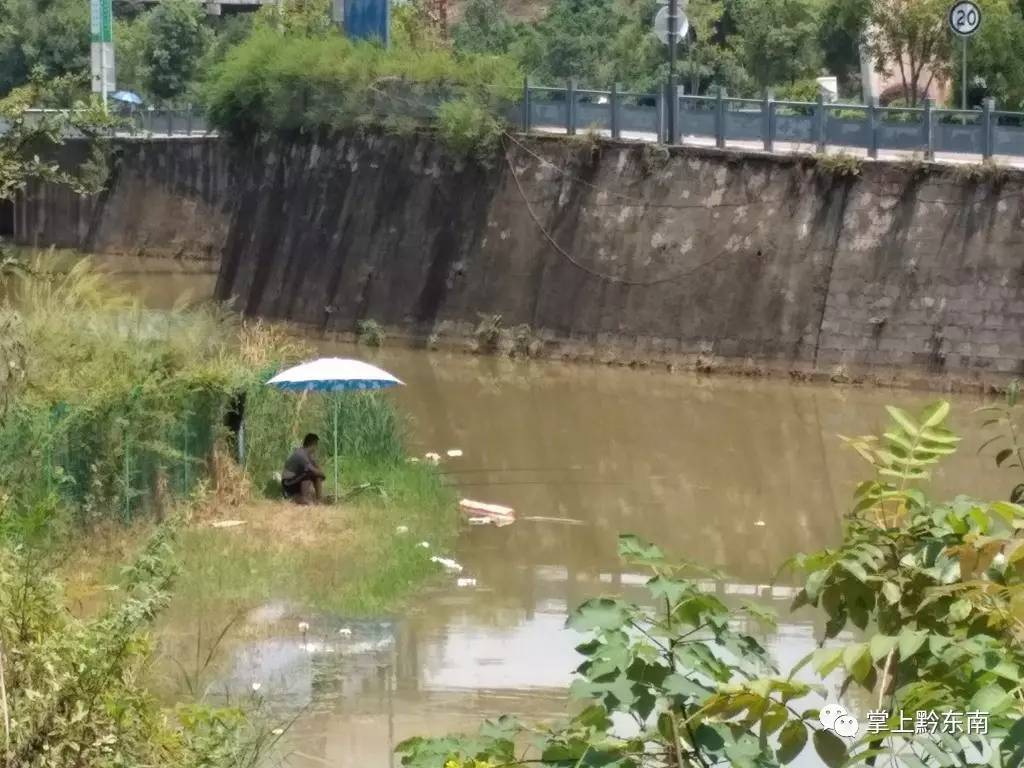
996	67
777	40
42	39
484	28
597	41
911	38
842	32
175	40
703	50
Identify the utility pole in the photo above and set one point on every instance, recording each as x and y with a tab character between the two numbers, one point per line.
673	41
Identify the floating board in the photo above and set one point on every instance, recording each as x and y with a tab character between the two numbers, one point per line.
227	523
479	509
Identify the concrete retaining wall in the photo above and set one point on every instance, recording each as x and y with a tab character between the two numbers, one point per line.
614	252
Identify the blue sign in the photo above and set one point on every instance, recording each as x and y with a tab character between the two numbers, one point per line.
367	19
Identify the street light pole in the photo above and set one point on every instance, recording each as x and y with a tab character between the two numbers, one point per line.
673	40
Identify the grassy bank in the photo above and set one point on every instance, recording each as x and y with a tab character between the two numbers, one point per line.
114	447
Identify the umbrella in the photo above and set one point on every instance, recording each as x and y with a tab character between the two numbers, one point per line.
334	374
127	97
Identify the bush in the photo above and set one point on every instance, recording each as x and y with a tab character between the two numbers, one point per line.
469	126
274	82
72	689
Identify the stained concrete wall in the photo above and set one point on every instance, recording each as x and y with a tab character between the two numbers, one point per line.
168	198
615	252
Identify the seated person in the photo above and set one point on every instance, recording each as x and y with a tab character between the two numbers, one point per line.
302	480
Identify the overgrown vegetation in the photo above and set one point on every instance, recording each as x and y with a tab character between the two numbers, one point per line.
296	82
72	691
931	591
840	164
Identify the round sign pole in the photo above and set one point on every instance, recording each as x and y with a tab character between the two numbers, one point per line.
673	40
964	20
963	77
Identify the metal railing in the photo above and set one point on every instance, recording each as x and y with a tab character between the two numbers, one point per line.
147	122
717	120
767	123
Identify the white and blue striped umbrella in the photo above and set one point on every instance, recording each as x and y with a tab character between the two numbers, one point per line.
333	374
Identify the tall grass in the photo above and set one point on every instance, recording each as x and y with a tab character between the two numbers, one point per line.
115	399
370	432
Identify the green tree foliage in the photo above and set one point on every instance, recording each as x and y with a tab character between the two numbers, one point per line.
42	39
175	41
485	28
777	40
911	39
597	41
274	82
934	590
996	67
841	34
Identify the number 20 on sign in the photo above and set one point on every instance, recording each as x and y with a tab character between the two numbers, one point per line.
964	18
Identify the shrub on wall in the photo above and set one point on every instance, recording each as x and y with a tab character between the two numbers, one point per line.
275	82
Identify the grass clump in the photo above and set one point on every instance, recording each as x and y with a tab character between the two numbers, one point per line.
840	164
370	333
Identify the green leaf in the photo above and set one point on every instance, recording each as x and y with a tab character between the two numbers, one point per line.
634	549
815	581
857	660
943	436
830	748
1003	455
910	642
792	740
991	699
935	414
827	659
902	418
677	685
960	610
672	590
892	592
598	613
881	645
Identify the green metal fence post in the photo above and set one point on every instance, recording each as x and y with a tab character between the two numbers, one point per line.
929	129
614	106
526	105
570	112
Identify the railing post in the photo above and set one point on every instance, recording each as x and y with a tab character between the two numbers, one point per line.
820	117
766	120
613	104
929	129
988	106
659	110
526	105
188	120
570	112
720	118
873	128
170	122
677	115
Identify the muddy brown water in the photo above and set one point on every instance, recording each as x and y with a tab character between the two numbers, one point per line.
740	474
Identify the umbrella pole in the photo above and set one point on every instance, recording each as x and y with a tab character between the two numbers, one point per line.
337	494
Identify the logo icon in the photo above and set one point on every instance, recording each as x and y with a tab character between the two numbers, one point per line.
835	718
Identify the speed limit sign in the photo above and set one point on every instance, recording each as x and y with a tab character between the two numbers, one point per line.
964	18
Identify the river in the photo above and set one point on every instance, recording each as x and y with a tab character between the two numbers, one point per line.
735	473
